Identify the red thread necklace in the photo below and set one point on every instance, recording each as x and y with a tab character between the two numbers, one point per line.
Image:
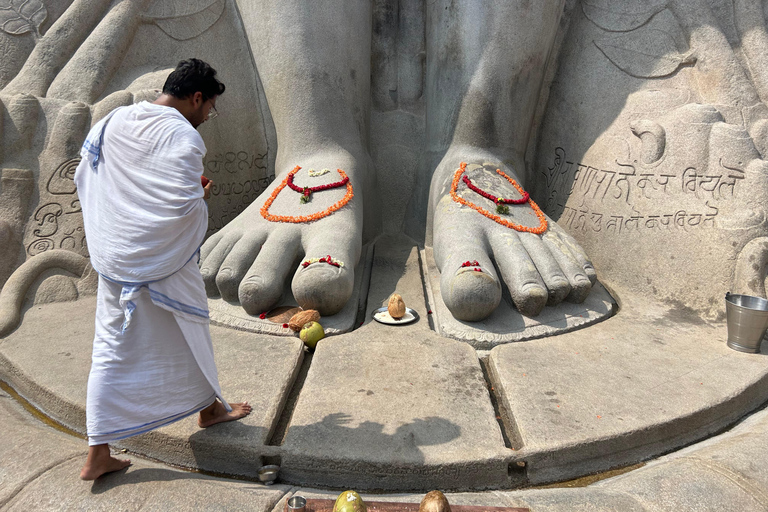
501	203
307	191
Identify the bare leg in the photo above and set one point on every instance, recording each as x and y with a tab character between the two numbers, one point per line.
314	62
101	461
216	413
485	70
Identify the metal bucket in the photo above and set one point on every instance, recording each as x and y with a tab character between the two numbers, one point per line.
747	318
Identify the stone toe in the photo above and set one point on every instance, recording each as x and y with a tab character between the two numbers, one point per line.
471	295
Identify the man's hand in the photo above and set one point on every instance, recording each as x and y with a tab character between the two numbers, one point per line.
207	189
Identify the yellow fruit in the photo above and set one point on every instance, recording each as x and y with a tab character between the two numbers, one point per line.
311	333
297	321
396	306
349	501
434	501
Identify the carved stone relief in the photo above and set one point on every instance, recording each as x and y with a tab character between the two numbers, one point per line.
56	82
660	173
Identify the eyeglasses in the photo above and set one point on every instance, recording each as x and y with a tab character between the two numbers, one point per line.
212	113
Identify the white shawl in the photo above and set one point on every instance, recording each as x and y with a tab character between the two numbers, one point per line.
141	166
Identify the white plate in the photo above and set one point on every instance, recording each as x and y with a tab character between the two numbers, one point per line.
382	315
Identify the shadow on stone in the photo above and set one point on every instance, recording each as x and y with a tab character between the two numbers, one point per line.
328	452
130	476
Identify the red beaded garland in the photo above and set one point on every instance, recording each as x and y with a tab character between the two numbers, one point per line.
306	191
497	200
542	227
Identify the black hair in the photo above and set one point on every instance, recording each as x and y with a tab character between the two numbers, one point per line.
191	76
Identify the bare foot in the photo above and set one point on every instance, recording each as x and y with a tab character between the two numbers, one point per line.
538	269
216	413
250	259
100	461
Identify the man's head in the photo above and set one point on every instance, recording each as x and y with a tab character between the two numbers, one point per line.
192	88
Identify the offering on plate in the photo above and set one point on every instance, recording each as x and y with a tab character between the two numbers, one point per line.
396	306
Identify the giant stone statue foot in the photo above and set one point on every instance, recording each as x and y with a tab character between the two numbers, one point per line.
250	259
471	248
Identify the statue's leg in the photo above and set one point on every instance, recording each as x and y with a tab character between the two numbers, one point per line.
313	59
485	67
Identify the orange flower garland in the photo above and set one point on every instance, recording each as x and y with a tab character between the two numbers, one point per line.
304	218
517	227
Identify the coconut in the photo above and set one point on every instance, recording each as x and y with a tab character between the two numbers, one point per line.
434	501
300	319
396	306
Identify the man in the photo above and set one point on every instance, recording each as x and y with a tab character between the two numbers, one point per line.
145	216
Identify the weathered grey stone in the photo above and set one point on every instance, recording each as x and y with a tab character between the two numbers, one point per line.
29	449
398	425
736	454
397	269
256	369
638	385
506	323
56	288
251	368
577	500
143	486
43	131
650	153
423	419
662	169
16	187
40	468
691	485
22	282
232	315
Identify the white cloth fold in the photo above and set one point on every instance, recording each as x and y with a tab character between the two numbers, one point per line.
145	219
140	167
155	371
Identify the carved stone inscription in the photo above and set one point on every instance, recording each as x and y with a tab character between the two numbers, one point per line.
586	219
57	223
238	178
629	197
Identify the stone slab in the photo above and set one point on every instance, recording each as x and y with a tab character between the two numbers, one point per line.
506	324
399	407
29	449
234	316
253	368
737	455
674	482
396	267
577	500
645	382
394	408
143	486
685	484
395	411
48	357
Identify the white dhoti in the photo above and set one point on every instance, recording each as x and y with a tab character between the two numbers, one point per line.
157	370
145	218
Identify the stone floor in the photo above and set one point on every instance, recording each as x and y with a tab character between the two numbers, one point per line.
39	469
402	409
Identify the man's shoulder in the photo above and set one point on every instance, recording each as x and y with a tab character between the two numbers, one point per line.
171	121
